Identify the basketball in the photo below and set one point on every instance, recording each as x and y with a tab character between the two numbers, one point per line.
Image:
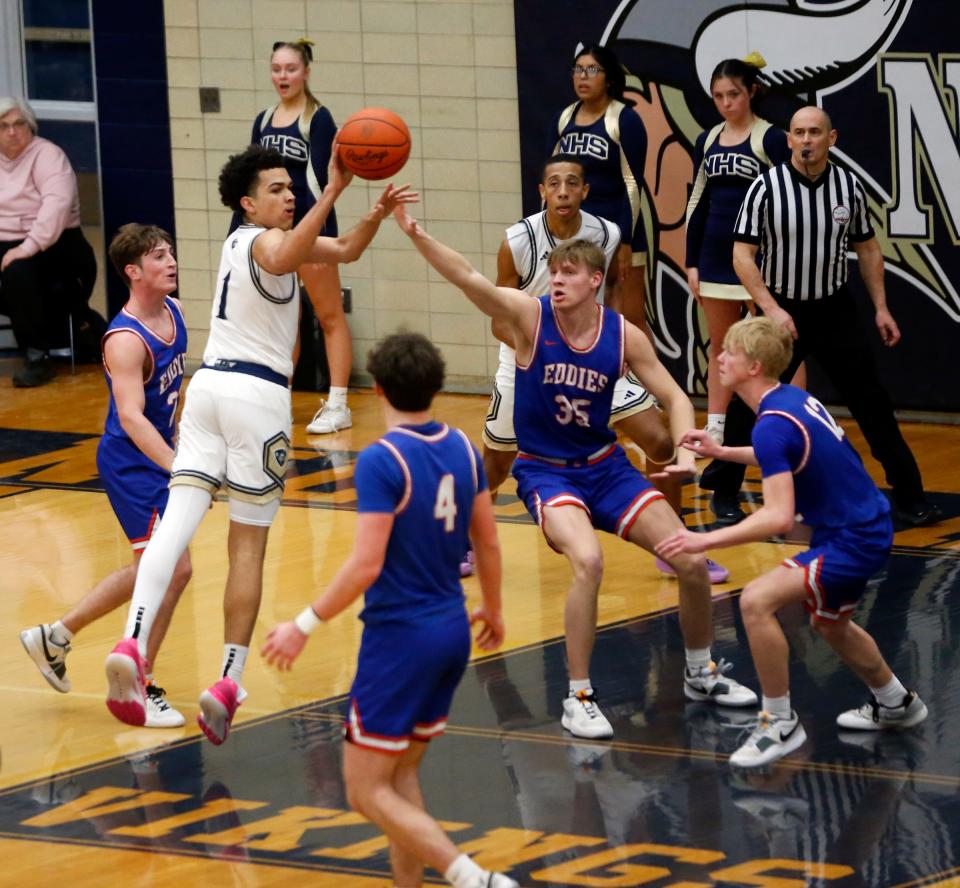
374	143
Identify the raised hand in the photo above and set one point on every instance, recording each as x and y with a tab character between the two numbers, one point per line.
393	198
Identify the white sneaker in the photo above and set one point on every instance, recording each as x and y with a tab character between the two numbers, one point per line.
329	419
874	716
582	716
160	714
713	684
50	657
771	739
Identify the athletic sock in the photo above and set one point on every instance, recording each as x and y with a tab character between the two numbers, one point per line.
60	634
186	507
337	396
778	706
577	685
464	873
717	419
234	660
697	659
891	694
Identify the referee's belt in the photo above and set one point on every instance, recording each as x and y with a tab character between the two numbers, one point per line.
573	462
249	368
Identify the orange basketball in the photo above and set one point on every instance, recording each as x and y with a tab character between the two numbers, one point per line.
374	143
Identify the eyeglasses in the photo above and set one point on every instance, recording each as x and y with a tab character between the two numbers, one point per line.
13	125
590	70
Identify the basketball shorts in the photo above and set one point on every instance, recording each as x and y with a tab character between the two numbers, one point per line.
838	565
136	487
629	398
406	677
611	491
235	430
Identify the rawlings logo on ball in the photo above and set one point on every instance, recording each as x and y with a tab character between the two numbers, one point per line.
374	143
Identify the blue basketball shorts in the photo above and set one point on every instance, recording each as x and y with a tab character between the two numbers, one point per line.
136	487
611	491
838	565
406	677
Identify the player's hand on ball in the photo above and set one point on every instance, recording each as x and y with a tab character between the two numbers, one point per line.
338	176
491	633
283	645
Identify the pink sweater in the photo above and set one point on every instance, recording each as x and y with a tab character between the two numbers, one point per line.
38	196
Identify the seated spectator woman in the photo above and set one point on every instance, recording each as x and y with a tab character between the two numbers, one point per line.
47	268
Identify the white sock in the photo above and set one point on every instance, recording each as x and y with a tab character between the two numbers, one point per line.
697	659
577	685
778	706
464	873
186	507
891	694
717	419
234	660
337	396
60	634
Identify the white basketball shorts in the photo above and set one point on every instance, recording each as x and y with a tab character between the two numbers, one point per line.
235	430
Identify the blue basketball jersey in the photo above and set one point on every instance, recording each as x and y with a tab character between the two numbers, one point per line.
795	433
427	476
563	396
162	380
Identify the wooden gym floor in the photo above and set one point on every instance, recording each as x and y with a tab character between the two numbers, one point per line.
84	796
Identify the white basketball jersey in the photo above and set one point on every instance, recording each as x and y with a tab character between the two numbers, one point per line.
255	314
531	242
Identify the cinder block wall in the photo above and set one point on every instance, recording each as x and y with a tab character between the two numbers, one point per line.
448	68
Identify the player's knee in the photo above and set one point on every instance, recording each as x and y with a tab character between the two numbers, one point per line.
833	632
691	569
588	566
754	604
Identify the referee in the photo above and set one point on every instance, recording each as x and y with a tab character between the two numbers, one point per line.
802	215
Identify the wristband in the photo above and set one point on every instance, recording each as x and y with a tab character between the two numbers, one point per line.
307	620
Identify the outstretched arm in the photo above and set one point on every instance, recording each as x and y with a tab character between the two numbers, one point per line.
775	516
348	247
643	361
512	306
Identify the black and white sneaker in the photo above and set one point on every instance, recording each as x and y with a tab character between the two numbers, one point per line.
771	739
874	716
713	684
160	714
50	657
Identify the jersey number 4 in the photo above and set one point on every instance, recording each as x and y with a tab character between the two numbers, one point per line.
445	508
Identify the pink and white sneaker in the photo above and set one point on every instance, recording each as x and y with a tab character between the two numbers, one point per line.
466	564
218	705
127	685
718	573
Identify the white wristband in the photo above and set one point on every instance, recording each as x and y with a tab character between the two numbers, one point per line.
307	620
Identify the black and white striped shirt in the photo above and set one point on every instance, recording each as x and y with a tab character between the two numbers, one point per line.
803	228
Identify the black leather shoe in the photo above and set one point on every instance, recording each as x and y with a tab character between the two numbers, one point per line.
918	515
34	373
727	509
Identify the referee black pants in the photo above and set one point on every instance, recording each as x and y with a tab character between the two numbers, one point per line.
829	331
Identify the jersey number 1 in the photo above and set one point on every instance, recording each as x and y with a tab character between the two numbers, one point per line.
445	508
222	313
